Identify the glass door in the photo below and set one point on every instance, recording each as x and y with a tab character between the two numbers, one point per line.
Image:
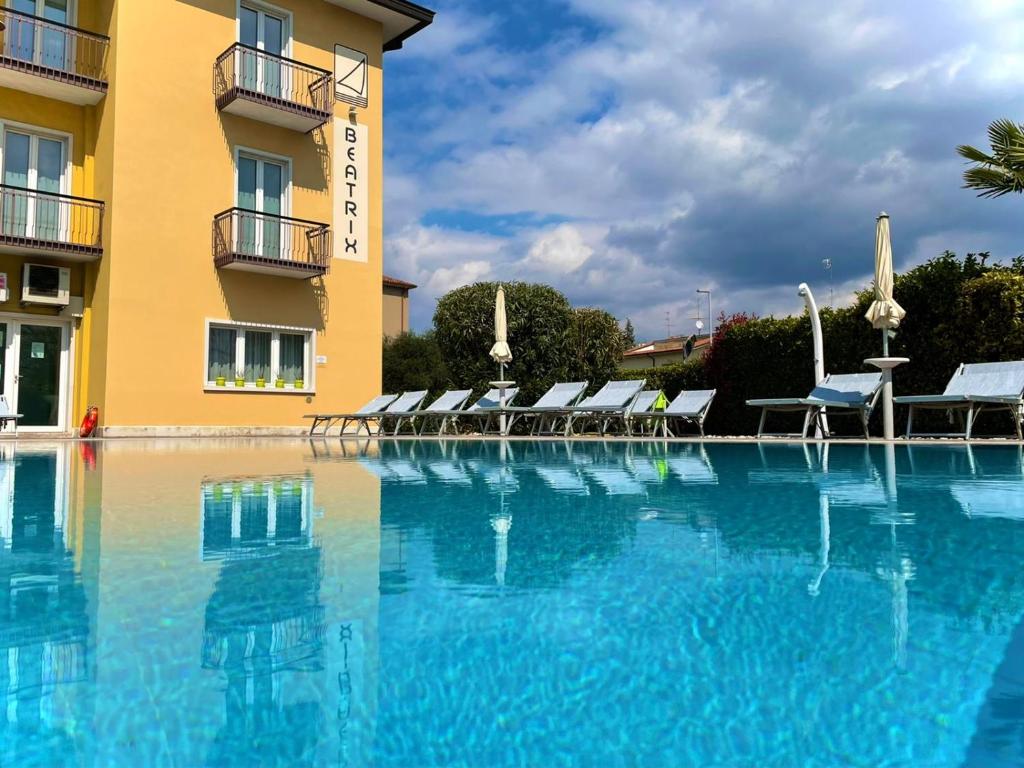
30	41
265	32
39	374
262	186
35	163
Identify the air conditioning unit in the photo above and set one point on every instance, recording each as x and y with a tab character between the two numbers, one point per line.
43	284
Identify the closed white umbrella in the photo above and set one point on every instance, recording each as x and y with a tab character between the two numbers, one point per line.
884	313
500	351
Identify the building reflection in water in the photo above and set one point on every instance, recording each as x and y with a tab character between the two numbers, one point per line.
264	625
46	617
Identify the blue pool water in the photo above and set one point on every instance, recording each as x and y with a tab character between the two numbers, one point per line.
472	604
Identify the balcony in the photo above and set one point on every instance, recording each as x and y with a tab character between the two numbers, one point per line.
272	89
270	244
51	59
49	224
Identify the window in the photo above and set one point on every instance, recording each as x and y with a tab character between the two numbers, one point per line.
258	357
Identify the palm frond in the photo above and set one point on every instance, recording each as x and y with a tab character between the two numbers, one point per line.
1002	172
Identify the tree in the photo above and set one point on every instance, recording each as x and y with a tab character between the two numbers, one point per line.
628	335
413	362
539	320
1001	172
595	346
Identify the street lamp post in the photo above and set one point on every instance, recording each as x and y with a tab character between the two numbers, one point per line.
711	319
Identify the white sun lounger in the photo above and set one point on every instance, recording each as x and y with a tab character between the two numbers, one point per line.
636	420
483	410
452	400
973	389
367	413
609	404
851	393
403	405
688	407
550	408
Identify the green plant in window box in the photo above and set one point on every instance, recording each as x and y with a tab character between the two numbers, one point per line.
239	381
261	383
279	383
299	384
221	381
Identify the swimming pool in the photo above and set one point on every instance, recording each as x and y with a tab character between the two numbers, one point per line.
403	603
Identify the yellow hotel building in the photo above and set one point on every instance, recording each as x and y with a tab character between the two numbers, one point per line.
191	210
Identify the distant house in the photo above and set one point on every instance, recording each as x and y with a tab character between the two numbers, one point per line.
396	306
654	354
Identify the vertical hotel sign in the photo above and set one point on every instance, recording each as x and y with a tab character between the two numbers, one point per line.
351	159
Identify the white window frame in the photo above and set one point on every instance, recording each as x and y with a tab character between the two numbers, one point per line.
262	157
36	132
273	10
71	22
309	385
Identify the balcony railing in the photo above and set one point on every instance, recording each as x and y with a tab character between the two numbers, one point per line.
46	222
271	244
272	88
66	55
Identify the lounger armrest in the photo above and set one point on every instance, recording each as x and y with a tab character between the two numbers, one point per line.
815	402
1002	399
930	399
779	401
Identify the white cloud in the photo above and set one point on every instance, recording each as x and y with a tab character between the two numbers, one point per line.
696	143
558	251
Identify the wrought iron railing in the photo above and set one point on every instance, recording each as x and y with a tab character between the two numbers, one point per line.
270	240
246	72
50	49
50	221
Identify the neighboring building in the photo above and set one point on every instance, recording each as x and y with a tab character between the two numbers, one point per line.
654	354
189	237
396	306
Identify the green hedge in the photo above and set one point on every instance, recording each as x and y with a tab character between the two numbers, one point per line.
957	311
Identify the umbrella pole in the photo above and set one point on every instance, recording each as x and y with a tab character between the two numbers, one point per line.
885	342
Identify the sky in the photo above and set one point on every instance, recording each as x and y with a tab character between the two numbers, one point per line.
630	153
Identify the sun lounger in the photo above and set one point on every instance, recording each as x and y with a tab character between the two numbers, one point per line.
642	405
689	407
973	389
6	415
364	415
550	408
403	405
452	400
609	404
483	410
845	393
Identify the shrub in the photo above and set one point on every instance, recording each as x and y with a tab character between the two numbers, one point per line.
594	347
413	362
671	379
539	321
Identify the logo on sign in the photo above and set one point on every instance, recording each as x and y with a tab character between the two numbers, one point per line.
350	76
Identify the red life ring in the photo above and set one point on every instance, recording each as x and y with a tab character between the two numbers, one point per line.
92	415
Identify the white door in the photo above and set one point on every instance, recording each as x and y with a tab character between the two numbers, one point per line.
35	374
34	164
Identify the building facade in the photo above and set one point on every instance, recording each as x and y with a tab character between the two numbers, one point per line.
396	306
670	351
191	218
